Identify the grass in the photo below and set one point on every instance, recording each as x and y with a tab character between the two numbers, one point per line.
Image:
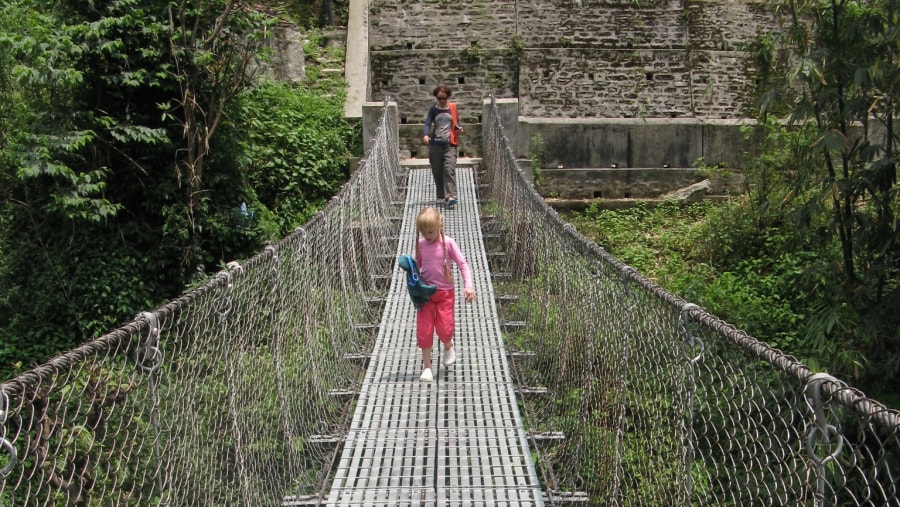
663	243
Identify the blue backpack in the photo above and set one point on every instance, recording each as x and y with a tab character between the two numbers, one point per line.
418	291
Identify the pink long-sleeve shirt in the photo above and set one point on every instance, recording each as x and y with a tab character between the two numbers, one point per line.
431	263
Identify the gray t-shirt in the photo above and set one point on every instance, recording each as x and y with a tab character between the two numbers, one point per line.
438	123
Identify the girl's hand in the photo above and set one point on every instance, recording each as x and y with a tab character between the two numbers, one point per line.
425	140
470	294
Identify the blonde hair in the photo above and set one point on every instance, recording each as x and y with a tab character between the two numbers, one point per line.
430	218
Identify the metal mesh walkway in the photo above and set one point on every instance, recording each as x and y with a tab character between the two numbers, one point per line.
456	441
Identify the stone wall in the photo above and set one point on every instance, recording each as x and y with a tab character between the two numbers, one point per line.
288	60
408	78
410	25
642	143
640	184
631	159
568	58
615	183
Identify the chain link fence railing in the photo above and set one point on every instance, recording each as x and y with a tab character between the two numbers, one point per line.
633	396
236	392
230	394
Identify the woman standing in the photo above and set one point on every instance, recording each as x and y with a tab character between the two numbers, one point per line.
441	135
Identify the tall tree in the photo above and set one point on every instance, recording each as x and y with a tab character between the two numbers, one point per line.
104	93
842	183
847	79
213	44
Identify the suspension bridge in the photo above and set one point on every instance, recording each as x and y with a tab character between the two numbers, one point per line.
291	378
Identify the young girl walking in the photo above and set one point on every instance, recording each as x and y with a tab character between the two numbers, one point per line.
434	251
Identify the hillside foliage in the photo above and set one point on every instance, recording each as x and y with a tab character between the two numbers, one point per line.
808	258
141	148
139	152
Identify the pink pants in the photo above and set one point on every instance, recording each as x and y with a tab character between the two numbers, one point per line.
436	316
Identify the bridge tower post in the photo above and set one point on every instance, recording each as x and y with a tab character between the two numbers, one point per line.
371	114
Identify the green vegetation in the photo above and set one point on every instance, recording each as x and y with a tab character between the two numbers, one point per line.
809	258
295	155
473	52
314	14
536	155
771	283
138	154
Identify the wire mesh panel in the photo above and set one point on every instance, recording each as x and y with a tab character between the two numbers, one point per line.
224	396
241	391
458	440
642	398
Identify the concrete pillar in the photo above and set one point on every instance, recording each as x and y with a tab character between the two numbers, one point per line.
356	64
509	118
371	113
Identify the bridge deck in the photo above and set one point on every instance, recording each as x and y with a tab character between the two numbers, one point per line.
458	440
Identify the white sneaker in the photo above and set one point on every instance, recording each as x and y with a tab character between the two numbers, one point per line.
450	356
426	375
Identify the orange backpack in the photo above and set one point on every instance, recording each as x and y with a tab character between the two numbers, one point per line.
454	137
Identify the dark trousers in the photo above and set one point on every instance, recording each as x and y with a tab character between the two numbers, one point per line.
443	169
